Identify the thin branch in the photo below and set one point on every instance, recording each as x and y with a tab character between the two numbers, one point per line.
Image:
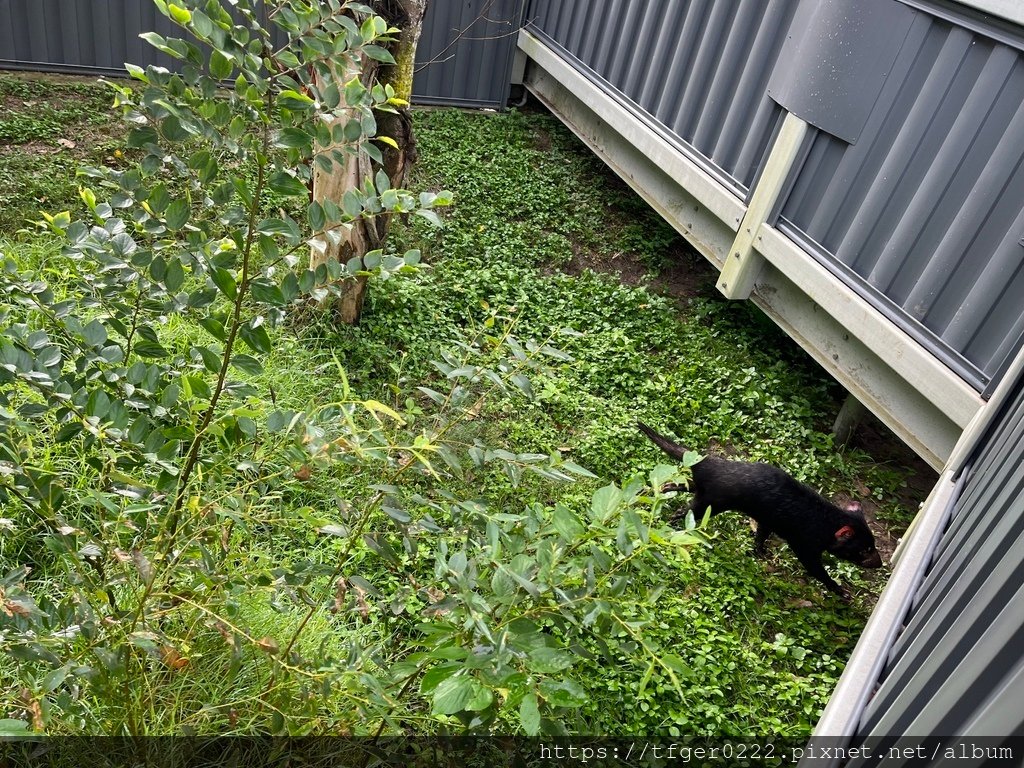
462	33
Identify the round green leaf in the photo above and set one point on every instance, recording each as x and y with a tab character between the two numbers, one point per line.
179	14
225	281
460	693
173	130
177	214
317	217
285	184
174	277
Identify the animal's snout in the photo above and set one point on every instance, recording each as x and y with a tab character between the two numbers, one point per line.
871	560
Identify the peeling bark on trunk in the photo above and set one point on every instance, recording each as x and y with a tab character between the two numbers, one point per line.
407	16
332	185
362	237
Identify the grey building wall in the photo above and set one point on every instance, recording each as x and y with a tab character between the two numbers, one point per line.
698	69
923	213
464	57
89	37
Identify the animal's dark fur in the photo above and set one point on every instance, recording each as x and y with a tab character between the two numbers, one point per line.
780	505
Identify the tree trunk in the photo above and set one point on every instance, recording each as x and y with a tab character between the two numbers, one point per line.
367	235
407	15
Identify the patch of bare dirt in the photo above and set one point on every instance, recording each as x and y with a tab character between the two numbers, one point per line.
542	139
11	103
919	478
685	275
29	148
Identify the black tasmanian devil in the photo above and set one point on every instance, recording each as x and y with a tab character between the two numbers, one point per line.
780	505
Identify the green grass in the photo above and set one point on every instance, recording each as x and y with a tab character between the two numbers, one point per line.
48	127
41	109
717	373
763	647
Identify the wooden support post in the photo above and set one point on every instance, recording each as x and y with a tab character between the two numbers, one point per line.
848	419
743	264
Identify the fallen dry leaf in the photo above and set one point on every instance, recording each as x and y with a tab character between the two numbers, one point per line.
172	658
33	708
340	590
361	605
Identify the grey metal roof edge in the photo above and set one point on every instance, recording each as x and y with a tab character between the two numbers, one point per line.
1002	20
61	69
912	558
442	101
845	707
929	377
1011	10
963	367
983	420
66	69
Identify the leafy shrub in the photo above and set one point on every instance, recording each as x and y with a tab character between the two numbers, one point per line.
192	557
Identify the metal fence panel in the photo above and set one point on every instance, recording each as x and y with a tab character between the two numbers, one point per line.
464	57
923	214
699	68
956	668
83	36
836	59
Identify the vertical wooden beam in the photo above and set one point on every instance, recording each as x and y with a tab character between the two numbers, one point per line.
743	264
848	419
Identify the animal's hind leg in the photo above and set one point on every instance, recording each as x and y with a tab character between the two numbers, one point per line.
676	512
668	487
699	506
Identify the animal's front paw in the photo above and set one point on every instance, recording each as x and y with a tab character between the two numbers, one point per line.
677	518
845	595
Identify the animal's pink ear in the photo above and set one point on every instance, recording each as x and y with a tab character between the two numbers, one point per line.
855	508
844	533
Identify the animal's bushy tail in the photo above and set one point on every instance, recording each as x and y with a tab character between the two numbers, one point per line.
674	450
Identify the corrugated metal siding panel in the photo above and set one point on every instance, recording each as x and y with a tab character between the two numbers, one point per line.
957	666
699	68
924	212
465	53
80	35
464	57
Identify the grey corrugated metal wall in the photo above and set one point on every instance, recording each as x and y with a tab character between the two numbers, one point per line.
924	212
89	36
957	669
699	69
464	57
